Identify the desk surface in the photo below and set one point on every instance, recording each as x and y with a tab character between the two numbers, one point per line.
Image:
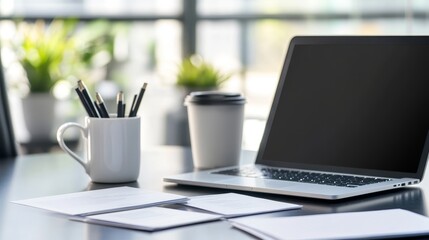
51	174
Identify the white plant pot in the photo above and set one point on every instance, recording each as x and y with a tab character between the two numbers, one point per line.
39	115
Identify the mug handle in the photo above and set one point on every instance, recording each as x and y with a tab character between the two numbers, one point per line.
63	146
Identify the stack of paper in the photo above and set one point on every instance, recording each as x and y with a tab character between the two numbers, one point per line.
157	218
234	205
355	225
135	208
102	201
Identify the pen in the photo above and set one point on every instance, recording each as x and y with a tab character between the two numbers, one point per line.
84	103
139	99
100	103
87	97
123	109
132	105
120	105
98	108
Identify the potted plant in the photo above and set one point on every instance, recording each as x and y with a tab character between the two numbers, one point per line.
53	54
46	54
195	74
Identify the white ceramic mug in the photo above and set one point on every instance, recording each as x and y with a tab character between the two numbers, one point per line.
112	147
216	128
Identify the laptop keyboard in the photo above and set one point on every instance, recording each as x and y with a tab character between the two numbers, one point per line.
301	176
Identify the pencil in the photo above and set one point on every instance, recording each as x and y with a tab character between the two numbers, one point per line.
84	103
87	97
139	99
100	103
120	105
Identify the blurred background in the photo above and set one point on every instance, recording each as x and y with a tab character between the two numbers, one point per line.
113	45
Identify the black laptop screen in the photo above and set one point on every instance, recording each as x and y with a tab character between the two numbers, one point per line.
360	105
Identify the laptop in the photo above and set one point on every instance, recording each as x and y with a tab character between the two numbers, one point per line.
350	116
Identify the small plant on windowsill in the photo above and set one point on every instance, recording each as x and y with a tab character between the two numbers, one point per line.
46	53
53	55
195	74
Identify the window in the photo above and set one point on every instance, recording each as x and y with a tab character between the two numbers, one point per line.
246	38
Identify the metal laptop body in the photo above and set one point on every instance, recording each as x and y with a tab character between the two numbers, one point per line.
349	105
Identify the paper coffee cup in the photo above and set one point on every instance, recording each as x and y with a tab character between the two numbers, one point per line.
216	128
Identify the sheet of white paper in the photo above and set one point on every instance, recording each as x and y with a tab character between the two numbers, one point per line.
232	204
151	219
102	201
354	225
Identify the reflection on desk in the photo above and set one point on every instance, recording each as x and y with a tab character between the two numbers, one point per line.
407	198
52	174
45	146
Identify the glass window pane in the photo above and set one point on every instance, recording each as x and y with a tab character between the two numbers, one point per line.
218	43
142	52
247	38
255	51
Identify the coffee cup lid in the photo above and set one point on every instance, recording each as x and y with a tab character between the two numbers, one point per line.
215	98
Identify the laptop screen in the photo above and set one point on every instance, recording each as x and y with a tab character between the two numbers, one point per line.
351	104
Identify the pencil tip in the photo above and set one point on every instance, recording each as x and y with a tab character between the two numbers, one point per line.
144	85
